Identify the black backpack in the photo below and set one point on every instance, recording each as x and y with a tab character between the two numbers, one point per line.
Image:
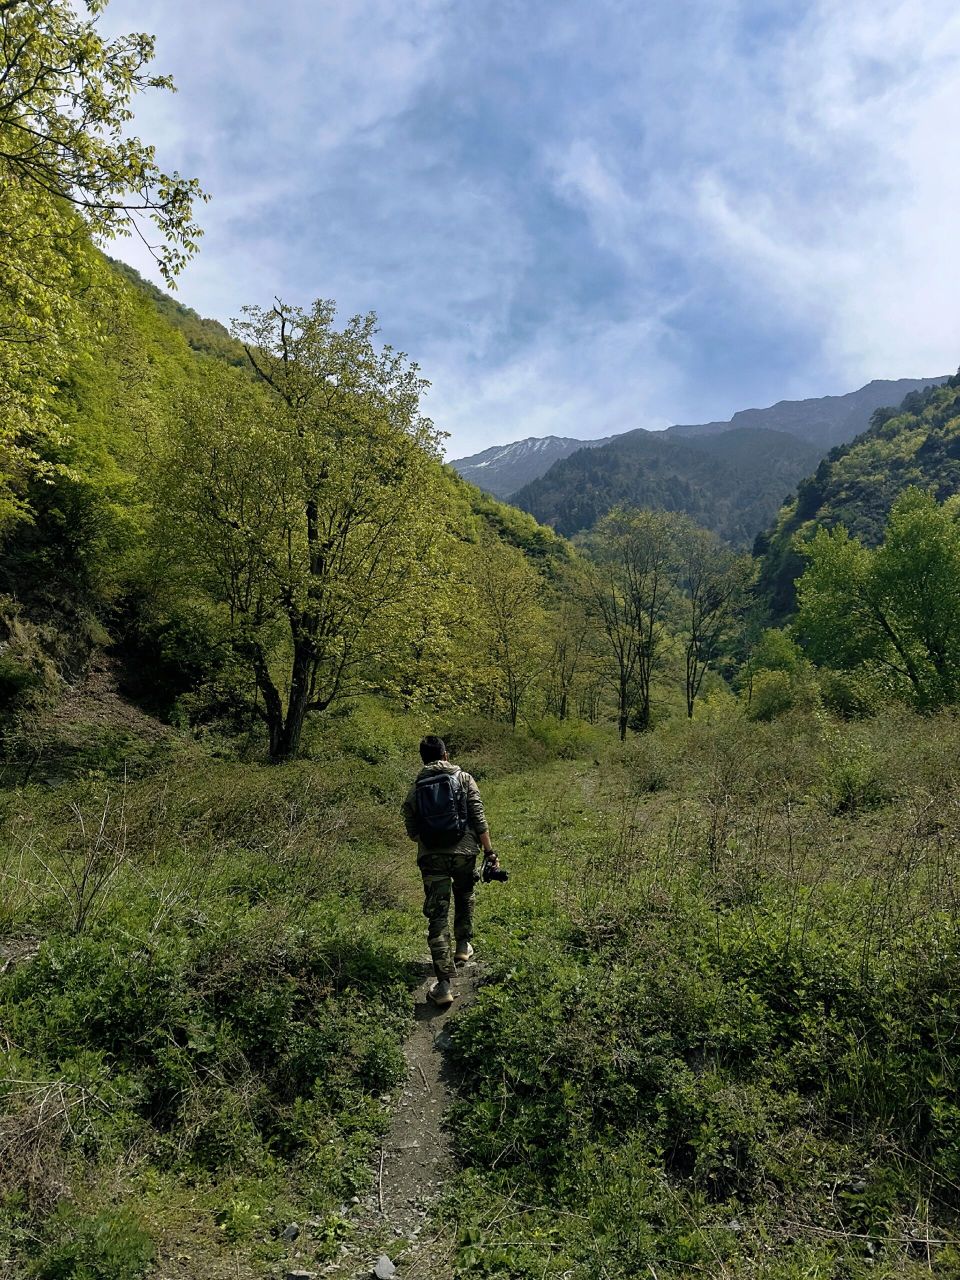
441	809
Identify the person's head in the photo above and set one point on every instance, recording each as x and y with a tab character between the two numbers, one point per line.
432	749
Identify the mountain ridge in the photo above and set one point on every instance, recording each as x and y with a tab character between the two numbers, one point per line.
732	482
825	421
502	469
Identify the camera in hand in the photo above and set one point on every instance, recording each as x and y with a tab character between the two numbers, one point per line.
491	871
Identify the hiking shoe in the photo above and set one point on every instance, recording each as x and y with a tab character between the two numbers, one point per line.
463	953
440	993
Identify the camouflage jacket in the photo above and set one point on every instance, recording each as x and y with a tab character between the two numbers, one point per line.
476	818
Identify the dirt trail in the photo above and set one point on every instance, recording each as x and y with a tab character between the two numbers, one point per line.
415	1158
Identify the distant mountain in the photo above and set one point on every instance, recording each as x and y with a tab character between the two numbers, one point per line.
504	468
825	421
732	481
857	483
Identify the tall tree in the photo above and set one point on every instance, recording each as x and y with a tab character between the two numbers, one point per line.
568	636
304	506
510	624
713	583
633	578
894	610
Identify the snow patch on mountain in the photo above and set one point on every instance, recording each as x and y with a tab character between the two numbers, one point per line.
504	468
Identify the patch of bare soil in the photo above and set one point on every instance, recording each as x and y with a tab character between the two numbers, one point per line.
96	702
16	951
414	1161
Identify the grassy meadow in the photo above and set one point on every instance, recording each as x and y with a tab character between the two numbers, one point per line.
715	1033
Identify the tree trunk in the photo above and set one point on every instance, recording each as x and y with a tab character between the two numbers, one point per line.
643	719
272	706
691	686
288	741
623	708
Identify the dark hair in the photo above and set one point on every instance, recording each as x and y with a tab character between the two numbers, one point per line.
432	748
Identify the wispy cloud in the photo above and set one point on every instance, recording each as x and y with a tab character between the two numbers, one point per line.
581	217
859	249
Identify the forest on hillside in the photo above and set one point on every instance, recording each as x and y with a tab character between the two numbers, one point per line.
731	483
713	1023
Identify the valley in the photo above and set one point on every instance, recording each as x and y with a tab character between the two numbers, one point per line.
253	626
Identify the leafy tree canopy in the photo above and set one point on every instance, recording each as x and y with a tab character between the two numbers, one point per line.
891	611
65	99
67	170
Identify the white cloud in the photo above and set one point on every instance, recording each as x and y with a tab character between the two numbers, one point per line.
598	381
871	260
587	179
265	96
567	212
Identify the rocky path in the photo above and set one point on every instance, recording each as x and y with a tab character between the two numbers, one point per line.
414	1160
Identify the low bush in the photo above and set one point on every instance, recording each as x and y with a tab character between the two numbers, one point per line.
566	739
717	1035
109	1245
745	1070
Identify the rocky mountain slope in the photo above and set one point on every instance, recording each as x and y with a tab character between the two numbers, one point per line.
825	420
504	468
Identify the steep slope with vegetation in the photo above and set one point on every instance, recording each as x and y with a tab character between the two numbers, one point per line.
857	483
205	336
731	483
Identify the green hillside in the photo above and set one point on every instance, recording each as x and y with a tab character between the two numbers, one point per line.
731	482
83	569
857	483
205	336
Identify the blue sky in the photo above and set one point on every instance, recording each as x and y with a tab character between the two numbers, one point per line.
579	217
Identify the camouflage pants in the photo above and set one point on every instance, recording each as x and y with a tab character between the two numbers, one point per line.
447	874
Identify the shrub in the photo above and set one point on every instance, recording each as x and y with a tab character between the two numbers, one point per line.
772	695
848	694
564	739
109	1245
853	777
174	657
202	1042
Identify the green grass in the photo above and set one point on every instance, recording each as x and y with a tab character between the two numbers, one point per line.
203	1048
716	1034
205	1038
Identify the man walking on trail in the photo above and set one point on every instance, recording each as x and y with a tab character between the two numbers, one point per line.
443	812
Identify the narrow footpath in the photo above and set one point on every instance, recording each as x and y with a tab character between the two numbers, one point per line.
414	1161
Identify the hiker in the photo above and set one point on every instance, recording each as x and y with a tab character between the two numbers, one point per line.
443	812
